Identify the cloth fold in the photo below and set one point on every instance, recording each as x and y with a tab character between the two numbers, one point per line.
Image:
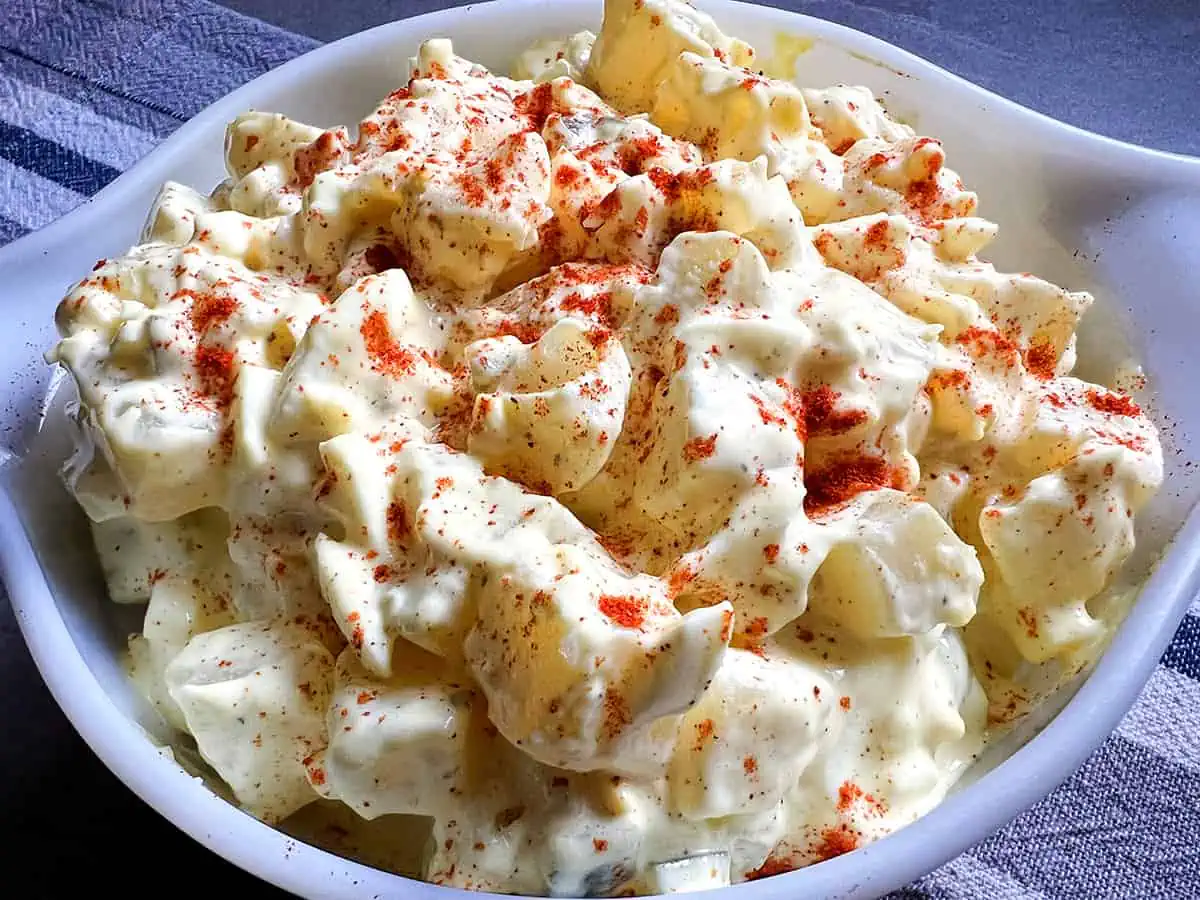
87	87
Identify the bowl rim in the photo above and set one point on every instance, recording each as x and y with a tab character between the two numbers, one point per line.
957	823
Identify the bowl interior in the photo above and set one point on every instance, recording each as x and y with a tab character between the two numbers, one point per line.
1075	209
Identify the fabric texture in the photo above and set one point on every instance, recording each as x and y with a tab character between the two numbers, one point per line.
89	86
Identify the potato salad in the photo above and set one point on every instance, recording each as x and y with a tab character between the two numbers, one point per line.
626	466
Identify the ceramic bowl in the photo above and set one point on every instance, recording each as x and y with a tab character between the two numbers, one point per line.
1079	209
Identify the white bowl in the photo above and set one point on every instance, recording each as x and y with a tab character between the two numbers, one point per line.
1079	209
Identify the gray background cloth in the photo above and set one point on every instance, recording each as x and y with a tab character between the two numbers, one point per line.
1126	69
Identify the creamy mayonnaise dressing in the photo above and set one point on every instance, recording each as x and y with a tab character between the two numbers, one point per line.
611	465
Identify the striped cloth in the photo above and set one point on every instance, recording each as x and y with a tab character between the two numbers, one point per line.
89	86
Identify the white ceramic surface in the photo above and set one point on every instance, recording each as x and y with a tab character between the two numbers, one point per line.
1079	209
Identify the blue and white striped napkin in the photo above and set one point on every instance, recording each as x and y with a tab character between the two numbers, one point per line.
89	86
